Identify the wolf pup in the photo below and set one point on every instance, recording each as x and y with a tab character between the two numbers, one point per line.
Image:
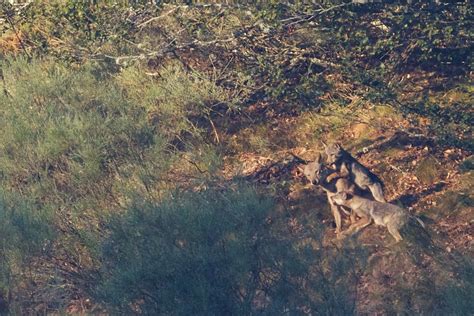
318	174
384	214
348	166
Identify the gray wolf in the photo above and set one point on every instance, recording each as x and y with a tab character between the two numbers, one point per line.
318	174
384	214
348	166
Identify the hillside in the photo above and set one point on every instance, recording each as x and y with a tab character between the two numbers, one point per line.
150	157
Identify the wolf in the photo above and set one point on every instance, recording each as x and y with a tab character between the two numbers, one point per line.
384	214
318	174
348	166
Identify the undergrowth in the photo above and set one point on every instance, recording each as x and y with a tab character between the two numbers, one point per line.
122	127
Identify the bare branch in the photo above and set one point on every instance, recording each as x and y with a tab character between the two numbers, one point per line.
310	17
119	60
143	24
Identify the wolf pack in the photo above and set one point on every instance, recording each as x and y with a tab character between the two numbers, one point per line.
353	190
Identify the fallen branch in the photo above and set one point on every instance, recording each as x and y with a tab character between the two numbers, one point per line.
310	17
400	137
216	135
120	60
143	24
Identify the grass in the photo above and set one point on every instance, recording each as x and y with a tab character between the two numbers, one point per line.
428	170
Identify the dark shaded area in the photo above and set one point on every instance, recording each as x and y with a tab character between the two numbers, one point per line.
410	199
283	169
399	139
113	160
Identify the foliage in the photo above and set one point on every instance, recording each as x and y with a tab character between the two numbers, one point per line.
60	131
178	102
79	146
118	122
445	288
70	29
72	132
217	252
279	53
451	123
26	231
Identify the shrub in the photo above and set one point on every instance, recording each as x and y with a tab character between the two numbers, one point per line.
220	252
64	132
26	230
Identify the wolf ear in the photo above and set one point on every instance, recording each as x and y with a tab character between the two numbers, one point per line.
348	196
318	158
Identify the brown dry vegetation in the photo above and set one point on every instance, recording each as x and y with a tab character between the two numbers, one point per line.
112	113
428	179
391	267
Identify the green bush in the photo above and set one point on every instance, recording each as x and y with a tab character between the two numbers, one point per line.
68	134
220	252
26	231
109	103
64	132
444	289
81	145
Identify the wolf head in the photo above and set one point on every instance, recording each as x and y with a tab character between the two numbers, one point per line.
315	171
333	151
341	198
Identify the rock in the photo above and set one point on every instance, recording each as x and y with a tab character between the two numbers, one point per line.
359	130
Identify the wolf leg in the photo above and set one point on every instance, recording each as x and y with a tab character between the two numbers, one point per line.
393	230
353	217
377	192
336	214
357	226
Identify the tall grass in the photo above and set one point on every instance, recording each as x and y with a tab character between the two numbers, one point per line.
221	252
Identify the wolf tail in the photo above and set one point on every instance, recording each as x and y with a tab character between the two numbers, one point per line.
299	159
419	221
